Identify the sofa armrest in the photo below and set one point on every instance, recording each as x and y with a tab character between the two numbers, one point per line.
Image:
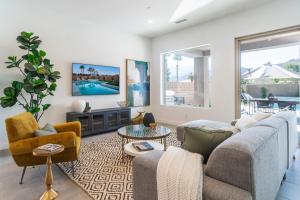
69	126
20	147
144	175
217	190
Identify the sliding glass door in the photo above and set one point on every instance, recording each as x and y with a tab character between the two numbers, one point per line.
268	72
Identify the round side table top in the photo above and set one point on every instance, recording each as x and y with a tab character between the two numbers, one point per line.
130	150
40	152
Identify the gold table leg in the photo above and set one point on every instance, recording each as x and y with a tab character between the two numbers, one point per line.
50	193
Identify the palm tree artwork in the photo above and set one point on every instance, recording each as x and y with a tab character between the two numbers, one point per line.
82	69
91	70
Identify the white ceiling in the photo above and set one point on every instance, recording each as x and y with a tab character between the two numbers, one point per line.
132	15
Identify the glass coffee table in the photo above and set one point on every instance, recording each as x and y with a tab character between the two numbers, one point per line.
140	132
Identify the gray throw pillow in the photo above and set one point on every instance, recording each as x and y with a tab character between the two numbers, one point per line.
204	140
48	129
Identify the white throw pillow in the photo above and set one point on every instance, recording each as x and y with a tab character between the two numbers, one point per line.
245	122
261	115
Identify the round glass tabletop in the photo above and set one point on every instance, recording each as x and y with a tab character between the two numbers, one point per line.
142	132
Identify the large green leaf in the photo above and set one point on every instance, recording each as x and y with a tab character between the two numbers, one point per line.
12	58
54	76
23	40
10	92
34	109
26	34
41	95
28	87
34	38
41	70
29	67
40	87
52	87
46	106
38	82
42	53
7	101
17	85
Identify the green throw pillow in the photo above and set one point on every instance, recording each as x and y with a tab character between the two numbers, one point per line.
204	140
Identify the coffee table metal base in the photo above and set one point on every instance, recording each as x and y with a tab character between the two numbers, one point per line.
130	150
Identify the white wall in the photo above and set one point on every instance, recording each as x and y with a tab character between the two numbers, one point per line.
220	35
66	40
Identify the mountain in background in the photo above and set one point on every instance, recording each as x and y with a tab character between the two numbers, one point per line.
292	65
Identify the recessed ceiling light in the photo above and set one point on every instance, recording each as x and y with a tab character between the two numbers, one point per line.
150	21
187	6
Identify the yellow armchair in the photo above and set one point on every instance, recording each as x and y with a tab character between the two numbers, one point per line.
20	131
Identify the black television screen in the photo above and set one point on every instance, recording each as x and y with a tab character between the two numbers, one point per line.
95	79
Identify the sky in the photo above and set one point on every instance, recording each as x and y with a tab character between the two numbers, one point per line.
106	70
186	66
253	59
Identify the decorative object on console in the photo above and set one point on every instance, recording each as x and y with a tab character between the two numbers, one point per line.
95	79
122	103
148	119
138	83
87	107
78	106
38	77
153	125
138	119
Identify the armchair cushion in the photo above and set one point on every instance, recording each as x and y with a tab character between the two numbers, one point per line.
68	139
21	126
69	126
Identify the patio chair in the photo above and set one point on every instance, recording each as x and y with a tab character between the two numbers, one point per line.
286	106
246	97
265	106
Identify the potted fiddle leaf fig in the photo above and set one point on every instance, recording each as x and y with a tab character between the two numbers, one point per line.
38	77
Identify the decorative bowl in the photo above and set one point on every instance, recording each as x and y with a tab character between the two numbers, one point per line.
153	125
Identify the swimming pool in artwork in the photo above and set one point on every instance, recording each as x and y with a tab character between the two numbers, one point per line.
93	87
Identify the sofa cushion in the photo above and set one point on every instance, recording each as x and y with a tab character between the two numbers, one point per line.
198	123
204	140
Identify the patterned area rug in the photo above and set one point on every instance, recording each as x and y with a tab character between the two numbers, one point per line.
100	171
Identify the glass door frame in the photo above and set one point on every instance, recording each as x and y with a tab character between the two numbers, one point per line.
238	41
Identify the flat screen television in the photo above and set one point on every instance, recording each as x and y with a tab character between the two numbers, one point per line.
90	79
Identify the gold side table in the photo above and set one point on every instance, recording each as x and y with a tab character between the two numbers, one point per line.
50	193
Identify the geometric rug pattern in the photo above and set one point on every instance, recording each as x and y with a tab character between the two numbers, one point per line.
100	170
